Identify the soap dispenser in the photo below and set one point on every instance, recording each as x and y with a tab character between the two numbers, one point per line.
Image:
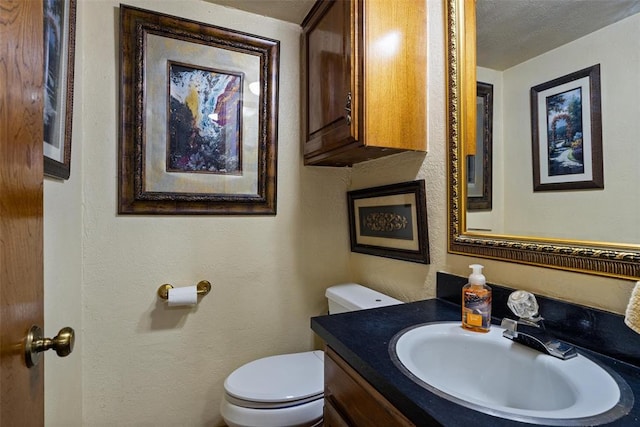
476	302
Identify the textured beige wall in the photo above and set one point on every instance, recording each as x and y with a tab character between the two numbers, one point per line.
404	280
63	277
63	293
144	364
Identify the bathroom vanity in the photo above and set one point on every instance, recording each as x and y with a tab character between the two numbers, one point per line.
364	387
351	400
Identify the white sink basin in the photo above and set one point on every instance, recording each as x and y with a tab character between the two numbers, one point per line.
495	375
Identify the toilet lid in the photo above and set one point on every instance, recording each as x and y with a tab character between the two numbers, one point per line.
282	378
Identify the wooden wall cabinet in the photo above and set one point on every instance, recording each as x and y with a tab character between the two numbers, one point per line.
350	401
365	74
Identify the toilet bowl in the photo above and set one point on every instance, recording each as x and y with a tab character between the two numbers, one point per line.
276	391
287	390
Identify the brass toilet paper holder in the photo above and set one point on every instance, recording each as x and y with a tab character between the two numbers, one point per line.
203	288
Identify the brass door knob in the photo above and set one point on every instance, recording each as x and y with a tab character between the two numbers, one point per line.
34	344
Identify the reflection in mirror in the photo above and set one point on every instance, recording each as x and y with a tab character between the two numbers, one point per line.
479	169
566	129
592	230
574	42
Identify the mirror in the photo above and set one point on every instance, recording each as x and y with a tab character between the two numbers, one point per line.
591	230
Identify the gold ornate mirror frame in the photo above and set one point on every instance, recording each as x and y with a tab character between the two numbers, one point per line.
606	259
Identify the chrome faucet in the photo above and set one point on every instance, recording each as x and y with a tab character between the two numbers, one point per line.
529	329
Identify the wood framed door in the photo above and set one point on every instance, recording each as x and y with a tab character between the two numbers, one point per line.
21	208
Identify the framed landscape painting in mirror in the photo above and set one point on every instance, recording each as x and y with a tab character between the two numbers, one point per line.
566	129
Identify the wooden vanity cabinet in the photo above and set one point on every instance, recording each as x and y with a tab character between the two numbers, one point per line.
365	73
350	401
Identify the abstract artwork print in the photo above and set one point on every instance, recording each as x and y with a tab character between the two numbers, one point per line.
204	120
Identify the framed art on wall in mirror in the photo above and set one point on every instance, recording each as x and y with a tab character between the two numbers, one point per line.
566	129
480	164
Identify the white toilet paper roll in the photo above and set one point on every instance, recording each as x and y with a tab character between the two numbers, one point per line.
187	295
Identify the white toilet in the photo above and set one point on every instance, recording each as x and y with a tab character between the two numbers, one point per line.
287	390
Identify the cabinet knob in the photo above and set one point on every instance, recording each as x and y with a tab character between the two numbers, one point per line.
347	108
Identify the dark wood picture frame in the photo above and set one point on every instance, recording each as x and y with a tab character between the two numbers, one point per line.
150	43
582	146
390	221
59	61
484	150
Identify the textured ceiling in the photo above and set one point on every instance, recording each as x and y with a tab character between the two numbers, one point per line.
512	31
509	31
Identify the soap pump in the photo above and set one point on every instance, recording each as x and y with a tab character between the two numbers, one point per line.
476	302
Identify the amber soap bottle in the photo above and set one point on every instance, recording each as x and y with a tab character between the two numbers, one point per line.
476	302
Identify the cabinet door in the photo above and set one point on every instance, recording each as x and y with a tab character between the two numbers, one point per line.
328	54
351	401
333	418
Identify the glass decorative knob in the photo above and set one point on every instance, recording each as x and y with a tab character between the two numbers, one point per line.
523	304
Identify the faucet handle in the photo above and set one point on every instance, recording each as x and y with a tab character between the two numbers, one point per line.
524	305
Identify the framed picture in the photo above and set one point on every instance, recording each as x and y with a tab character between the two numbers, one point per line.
480	165
566	128
59	59
390	221
198	129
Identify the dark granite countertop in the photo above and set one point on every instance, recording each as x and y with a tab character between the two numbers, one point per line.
362	339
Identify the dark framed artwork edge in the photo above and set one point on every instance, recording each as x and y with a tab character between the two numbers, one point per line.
132	196
485	202
595	119
53	168
421	255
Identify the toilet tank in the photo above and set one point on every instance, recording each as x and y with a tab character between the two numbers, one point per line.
351	297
